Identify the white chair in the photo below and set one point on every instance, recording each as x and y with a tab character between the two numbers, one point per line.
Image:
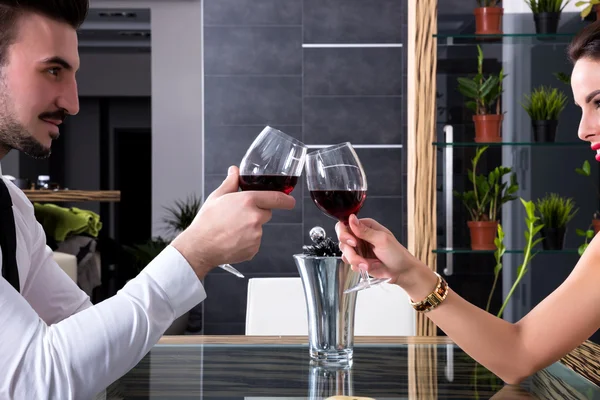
276	307
68	263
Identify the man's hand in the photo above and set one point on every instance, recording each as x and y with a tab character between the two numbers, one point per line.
228	228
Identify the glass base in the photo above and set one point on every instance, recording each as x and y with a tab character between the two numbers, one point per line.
366	284
331	357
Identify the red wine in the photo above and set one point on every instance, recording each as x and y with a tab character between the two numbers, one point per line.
279	183
339	204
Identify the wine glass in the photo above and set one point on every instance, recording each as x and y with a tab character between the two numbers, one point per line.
274	161
338	186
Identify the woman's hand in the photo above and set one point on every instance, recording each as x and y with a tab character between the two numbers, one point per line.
392	259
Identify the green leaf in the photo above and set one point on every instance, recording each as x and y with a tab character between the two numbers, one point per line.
537	229
590	234
488	85
586	167
586	11
580	232
471	105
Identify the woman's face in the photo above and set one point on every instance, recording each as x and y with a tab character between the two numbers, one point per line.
585	82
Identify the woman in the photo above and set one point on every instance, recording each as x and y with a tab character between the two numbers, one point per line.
565	319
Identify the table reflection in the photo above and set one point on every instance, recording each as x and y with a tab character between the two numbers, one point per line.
413	371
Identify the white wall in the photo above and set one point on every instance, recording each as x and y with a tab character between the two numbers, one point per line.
519	7
177	99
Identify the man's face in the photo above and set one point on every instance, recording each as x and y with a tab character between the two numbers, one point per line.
37	85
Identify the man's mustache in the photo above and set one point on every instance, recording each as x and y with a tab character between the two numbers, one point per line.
58	115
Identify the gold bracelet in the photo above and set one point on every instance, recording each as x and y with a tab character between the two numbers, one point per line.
435	298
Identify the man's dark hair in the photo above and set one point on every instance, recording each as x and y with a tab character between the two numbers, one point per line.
72	12
586	44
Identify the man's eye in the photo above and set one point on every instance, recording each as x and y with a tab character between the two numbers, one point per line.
54	71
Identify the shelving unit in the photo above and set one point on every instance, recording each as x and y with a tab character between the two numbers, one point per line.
522	57
73	195
469	251
466	39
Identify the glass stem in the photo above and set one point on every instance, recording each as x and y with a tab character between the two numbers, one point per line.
365	277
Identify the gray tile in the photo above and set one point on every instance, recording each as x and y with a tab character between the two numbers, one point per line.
247	100
383	168
329	120
253	50
226	145
226	299
353	21
211	182
353	71
252	12
385	210
294	216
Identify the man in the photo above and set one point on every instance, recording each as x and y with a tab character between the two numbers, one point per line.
53	342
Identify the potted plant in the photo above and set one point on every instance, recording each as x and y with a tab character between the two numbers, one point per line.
555	213
179	217
546	14
533	227
544	105
485	200
586	170
589	6
484	94
488	17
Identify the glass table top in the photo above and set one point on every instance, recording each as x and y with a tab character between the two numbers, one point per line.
385	371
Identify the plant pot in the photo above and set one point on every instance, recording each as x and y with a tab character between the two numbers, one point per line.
553	238
544	131
488	128
596	225
546	22
483	234
488	20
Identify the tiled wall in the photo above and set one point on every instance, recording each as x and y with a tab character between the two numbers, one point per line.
324	71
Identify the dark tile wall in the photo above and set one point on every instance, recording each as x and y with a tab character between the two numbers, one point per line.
257	73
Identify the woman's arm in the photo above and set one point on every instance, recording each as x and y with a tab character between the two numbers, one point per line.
561	322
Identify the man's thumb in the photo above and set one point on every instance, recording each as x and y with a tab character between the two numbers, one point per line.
230	184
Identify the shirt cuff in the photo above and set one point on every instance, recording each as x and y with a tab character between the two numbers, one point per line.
171	271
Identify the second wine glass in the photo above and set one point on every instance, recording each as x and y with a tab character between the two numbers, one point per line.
338	187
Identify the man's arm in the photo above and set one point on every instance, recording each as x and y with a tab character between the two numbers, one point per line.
47	288
83	354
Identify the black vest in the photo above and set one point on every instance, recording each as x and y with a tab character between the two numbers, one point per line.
8	238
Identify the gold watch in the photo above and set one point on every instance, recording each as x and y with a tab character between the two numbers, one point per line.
435	298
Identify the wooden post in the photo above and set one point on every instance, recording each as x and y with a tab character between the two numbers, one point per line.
421	168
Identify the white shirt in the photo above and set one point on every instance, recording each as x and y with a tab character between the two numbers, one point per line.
54	344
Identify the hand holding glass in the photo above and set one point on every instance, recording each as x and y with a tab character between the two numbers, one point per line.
274	161
338	186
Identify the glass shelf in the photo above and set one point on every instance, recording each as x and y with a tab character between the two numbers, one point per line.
454	39
469	251
533	144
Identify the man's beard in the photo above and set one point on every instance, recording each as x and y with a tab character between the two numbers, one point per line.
14	135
